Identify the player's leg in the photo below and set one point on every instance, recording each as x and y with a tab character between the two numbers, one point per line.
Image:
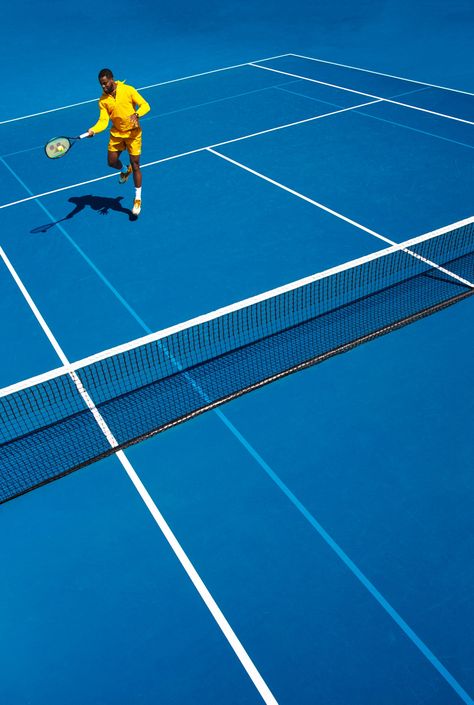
137	174
115	149
137	180
134	149
113	159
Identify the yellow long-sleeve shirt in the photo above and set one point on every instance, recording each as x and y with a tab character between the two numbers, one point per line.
119	109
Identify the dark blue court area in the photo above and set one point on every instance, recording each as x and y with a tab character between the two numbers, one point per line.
310	542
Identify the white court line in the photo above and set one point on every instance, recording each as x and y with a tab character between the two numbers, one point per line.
52	110
366	95
291	124
98	178
379	73
191	151
173	542
260	684
465	282
143	88
192	106
303	197
206	73
232	308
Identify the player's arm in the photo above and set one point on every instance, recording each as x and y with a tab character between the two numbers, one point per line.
101	123
142	107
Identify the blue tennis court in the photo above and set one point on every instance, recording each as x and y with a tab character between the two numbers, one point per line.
310	542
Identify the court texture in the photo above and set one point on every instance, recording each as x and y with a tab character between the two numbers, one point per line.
165	537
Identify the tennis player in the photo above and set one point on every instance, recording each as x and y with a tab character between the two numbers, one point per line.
124	106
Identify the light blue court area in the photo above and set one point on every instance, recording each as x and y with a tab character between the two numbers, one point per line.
310	542
12	188
183	118
427	121
20	334
148	623
398	182
349	81
303	613
216	231
425	96
76	308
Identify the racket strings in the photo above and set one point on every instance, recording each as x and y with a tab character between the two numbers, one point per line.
57	147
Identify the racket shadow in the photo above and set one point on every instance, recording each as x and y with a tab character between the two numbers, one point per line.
99	204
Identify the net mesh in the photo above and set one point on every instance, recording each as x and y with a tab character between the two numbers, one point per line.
47	429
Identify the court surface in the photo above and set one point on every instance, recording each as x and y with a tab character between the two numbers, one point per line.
323	524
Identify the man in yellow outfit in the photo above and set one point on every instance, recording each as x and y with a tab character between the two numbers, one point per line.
124	106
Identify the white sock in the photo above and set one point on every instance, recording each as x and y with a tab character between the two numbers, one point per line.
138	194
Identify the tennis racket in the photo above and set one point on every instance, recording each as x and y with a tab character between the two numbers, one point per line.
59	146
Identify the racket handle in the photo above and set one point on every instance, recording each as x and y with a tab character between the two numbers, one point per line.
84	134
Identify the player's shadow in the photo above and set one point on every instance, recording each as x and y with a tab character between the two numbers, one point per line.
101	205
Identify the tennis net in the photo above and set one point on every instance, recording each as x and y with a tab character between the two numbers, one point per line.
54	423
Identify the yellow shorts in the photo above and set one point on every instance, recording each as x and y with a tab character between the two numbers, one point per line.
131	144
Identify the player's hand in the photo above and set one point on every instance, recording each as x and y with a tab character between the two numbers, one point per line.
134	120
90	133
